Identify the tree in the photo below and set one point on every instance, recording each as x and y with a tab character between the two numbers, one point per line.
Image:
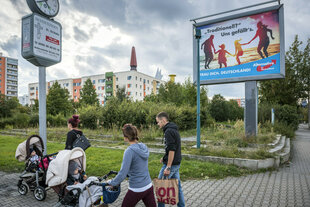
218	108
235	112
287	90
305	75
88	94
121	94
57	101
7	104
181	94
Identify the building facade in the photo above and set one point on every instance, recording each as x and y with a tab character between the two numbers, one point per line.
137	85
8	76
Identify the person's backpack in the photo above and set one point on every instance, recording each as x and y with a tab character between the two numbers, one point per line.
81	141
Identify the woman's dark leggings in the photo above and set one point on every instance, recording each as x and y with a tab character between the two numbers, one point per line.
132	198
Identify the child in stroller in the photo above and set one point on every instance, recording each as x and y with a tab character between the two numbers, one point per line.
83	193
33	177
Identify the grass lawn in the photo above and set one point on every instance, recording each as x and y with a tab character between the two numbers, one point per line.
100	161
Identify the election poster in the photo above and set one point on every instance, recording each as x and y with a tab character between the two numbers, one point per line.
248	47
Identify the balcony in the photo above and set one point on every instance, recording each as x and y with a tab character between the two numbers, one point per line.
109	82
108	75
10	72
11	84
12	89
14	78
109	90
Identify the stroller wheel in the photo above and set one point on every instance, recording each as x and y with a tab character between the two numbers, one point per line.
39	193
23	189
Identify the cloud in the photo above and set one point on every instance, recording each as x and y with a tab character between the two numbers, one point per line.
98	36
80	35
11	45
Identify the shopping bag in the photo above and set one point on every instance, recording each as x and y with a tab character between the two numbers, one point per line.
167	190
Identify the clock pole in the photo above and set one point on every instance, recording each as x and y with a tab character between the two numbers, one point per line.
42	106
41	45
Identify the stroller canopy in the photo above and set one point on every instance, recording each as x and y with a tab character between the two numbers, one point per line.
22	152
57	171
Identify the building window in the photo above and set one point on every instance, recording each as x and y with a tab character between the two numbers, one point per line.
129	77
140	86
143	80
75	97
116	86
136	85
94	81
136	93
140	94
101	80
116	79
129	85
32	88
74	90
36	88
148	88
140	79
99	88
78	84
148	81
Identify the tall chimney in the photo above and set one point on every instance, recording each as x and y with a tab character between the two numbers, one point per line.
133	60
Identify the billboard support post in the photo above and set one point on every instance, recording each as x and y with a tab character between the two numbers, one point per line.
42	105
198	36
250	115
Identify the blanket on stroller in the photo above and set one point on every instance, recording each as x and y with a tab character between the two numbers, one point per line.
86	198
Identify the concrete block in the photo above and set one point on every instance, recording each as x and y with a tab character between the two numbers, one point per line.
251	164
266	163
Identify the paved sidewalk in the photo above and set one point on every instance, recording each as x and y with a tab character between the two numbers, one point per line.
288	186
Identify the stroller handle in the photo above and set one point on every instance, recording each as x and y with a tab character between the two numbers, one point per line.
107	175
49	155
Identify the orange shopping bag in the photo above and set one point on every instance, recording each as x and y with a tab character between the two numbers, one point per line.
167	190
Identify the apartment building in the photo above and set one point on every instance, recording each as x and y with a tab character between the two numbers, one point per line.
8	76
137	85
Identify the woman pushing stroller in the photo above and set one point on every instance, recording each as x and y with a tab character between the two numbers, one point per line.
135	165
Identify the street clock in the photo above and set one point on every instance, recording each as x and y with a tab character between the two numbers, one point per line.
48	8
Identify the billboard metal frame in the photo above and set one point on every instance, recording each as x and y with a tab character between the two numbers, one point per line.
247	78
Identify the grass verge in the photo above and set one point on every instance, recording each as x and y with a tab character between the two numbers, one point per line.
100	161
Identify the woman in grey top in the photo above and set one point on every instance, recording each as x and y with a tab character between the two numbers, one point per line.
135	165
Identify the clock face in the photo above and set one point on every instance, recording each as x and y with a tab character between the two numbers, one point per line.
48	7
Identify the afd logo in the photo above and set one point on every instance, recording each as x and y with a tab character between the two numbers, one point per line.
260	68
166	195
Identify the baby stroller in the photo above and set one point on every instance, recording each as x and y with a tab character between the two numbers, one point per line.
83	194
33	177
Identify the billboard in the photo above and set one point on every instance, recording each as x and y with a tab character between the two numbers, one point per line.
247	46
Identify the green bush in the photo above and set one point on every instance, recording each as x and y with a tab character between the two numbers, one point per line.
284	129
56	121
21	120
6	122
288	115
89	117
34	120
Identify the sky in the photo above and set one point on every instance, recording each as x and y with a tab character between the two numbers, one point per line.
98	36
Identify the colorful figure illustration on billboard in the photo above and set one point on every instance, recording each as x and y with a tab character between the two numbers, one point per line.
222	55
238	50
263	38
207	49
248	46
